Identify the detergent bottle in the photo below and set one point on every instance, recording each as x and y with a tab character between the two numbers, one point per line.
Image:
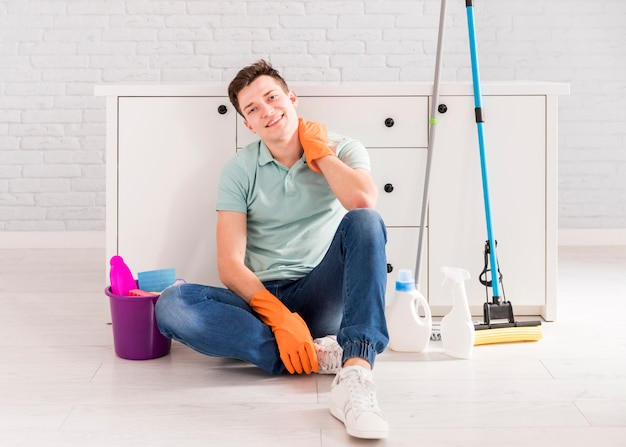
457	328
122	280
408	331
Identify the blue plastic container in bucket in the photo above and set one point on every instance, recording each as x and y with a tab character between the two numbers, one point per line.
136	335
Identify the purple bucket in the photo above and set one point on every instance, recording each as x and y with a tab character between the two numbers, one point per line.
135	332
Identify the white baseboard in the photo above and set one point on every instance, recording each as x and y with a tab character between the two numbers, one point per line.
592	237
51	239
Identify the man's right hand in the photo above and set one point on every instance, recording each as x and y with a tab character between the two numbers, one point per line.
293	337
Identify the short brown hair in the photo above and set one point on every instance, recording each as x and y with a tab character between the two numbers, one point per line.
248	75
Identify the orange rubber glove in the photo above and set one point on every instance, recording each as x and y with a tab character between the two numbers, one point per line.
314	140
293	337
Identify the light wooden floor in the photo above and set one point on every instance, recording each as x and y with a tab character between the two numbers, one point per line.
62	385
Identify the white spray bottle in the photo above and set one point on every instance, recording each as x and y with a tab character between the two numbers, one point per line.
457	328
408	331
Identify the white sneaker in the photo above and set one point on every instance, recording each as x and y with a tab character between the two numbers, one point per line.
353	401
329	354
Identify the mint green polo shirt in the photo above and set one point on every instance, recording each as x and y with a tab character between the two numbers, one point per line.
292	214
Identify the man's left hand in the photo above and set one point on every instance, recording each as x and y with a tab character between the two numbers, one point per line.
314	140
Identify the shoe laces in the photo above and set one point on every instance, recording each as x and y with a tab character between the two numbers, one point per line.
361	389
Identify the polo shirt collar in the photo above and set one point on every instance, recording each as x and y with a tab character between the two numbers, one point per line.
265	156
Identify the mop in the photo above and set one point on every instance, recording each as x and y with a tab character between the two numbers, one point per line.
499	324
431	139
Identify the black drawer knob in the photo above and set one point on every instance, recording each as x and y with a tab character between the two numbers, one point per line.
222	109
388	187
389	268
389	122
442	108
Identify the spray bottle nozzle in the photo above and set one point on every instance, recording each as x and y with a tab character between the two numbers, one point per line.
454	274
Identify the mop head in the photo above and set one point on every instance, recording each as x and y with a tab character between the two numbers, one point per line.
507	335
500	326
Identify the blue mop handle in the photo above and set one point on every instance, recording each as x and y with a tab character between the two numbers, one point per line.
481	142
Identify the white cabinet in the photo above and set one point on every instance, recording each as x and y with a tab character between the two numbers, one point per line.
166	146
161	197
515	145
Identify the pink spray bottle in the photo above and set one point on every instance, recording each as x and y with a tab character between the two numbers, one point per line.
122	280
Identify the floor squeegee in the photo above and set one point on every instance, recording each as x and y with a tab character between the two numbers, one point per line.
500	324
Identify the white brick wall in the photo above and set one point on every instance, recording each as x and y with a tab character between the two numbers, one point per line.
52	53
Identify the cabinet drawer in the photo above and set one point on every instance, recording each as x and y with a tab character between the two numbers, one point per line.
401	254
399	174
375	121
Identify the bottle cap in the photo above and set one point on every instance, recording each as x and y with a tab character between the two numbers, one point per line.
405	281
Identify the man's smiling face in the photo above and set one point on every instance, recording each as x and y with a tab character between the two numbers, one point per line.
268	110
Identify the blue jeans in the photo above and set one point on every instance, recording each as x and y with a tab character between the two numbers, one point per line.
343	295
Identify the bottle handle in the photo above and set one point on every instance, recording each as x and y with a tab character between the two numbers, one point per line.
418	301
